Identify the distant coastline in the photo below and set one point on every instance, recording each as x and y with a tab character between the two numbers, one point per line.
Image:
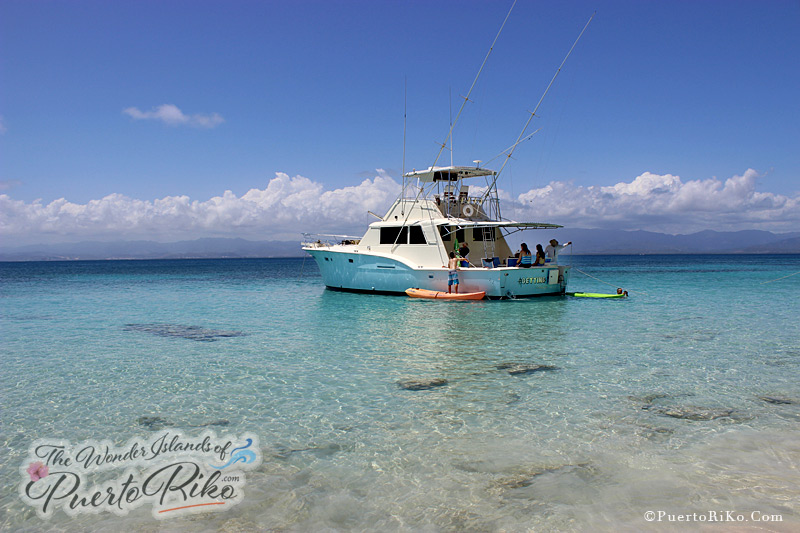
587	242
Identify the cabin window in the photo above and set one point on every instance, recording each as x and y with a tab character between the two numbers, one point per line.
483	234
394	234
460	235
444	231
416	236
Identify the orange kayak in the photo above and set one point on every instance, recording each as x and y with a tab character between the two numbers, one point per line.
425	293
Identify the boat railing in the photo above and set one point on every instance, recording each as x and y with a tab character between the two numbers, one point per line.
463	206
322	240
491	206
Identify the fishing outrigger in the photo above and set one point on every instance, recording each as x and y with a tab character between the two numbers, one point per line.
439	208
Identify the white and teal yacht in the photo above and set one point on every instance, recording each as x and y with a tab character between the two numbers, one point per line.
439	210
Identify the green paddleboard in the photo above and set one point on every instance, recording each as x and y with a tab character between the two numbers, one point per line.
595	295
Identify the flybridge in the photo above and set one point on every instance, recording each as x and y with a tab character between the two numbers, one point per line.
434	174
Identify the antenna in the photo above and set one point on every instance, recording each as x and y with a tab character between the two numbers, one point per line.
533	113
451	124
405	115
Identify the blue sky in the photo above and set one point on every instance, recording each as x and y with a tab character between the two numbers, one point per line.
133	119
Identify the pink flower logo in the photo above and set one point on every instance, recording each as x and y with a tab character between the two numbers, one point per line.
37	471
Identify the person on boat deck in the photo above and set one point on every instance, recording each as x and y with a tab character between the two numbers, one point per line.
452	276
553	249
463	253
525	258
540	259
463	250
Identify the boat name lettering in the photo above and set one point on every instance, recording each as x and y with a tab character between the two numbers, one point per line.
531	281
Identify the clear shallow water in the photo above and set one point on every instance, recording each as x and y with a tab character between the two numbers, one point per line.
655	402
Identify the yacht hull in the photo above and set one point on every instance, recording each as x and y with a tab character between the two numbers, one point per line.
364	272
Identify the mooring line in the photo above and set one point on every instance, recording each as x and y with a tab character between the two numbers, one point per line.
778	279
609	284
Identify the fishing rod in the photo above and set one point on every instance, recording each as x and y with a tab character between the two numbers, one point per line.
533	113
443	145
466	98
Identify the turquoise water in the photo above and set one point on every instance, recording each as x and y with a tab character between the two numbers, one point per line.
683	398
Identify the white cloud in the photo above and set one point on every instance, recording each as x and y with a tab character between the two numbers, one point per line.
662	203
288	206
171	115
281	211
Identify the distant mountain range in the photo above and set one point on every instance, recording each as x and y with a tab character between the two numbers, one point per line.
585	242
617	242
196	249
